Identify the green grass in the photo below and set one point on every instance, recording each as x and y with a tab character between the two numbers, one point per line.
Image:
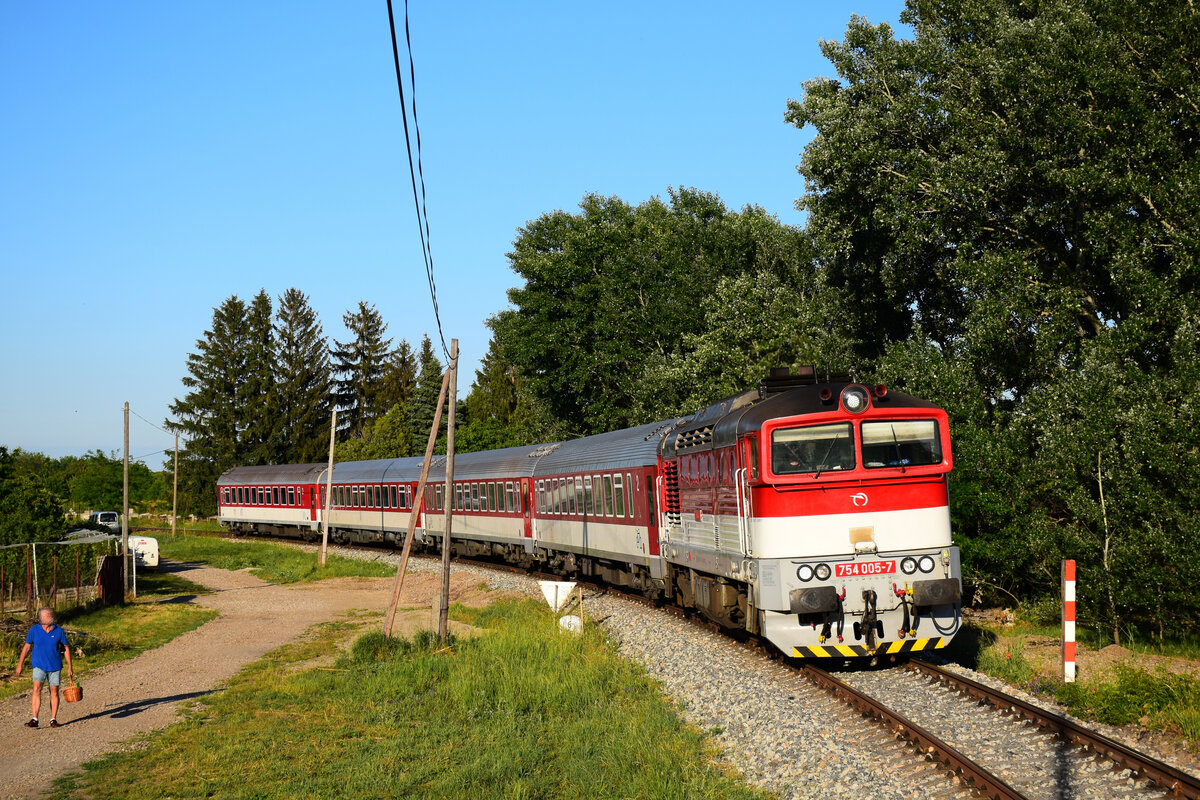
522	711
200	525
271	562
116	633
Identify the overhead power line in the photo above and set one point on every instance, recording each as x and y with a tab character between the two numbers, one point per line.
415	172
151	424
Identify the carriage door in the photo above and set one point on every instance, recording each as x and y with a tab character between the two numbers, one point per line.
527	507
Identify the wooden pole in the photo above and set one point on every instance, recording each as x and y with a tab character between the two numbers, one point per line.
174	490
28	585
78	588
37	595
448	500
54	583
125	506
1	591
418	498
328	492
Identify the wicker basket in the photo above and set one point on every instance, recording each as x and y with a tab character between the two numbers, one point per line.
73	693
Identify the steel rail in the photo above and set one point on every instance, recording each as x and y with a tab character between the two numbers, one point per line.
928	744
1166	777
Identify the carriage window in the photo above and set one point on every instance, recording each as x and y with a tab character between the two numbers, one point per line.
901	443
587	495
517	495
814	448
291	495
629	487
274	495
509	505
491	497
540	498
579	494
608	496
262	495
441	497
560	492
650	492
370	493
474	496
570	495
379	495
619	493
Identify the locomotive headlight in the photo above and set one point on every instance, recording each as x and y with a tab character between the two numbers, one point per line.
805	573
925	564
908	565
854	399
822	572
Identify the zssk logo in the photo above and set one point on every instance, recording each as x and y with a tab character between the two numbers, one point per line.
859	499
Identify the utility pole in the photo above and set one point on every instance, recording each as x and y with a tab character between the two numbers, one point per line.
416	508
175	489
125	506
451	403
328	492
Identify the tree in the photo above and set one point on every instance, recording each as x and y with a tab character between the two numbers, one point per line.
423	402
28	511
360	364
1006	198
303	381
388	436
262	439
498	412
400	377
615	287
210	418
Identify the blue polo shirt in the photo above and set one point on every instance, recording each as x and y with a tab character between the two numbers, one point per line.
45	647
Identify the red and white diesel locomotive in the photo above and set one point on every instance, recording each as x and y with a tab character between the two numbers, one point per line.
812	512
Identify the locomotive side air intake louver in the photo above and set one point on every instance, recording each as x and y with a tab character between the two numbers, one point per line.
692	439
671	493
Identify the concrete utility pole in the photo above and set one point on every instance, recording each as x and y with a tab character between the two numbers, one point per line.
451	403
175	489
328	492
125	507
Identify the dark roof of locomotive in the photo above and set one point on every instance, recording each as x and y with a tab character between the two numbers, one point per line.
720	424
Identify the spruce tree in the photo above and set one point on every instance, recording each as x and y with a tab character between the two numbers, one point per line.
423	403
302	380
360	364
210	418
400	379
257	393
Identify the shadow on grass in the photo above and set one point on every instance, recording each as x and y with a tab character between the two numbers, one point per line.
968	645
138	706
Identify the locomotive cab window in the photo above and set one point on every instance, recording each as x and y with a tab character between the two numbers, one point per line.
901	443
814	448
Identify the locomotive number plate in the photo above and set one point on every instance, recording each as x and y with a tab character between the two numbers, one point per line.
857	569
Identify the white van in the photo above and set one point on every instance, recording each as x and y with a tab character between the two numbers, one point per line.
109	519
145	552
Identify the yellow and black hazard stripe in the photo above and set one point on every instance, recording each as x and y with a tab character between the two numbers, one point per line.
858	650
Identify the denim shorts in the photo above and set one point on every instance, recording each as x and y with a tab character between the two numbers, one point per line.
41	676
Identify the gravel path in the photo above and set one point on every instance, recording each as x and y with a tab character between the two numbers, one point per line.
144	693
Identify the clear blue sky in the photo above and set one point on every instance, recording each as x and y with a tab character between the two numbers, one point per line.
157	157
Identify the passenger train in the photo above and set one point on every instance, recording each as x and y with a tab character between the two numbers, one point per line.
811	511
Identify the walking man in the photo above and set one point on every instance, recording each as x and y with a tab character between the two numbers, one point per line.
45	639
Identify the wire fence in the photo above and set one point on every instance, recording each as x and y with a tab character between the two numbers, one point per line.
55	574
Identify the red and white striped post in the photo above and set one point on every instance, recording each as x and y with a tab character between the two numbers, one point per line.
1068	625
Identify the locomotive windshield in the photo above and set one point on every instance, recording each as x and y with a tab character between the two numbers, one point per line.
901	443
816	449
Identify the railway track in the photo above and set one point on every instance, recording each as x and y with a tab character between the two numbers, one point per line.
1013	750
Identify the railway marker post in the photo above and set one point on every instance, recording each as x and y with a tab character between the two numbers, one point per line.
1068	624
328	492
448	501
418	497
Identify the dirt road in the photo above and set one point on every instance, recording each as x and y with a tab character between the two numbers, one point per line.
143	693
